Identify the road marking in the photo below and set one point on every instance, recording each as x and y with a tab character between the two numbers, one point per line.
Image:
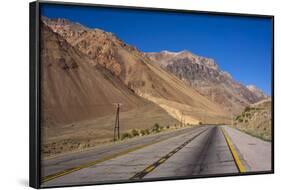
151	167
170	154
70	170
89	164
162	160
235	156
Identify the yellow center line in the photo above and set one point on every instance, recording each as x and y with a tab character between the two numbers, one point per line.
235	156
89	164
162	160
151	167
68	171
170	154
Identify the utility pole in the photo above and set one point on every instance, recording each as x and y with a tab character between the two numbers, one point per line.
181	118
231	116
231	119
117	124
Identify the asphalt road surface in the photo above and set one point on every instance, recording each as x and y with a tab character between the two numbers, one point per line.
187	152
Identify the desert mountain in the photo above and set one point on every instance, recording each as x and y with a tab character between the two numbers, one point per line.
76	87
204	75
78	94
259	93
105	51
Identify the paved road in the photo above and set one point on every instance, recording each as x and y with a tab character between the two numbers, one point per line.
64	162
187	152
254	152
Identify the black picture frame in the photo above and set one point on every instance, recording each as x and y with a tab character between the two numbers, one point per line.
35	92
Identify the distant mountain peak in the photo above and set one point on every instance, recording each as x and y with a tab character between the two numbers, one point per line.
183	57
258	92
174	52
251	87
61	22
203	74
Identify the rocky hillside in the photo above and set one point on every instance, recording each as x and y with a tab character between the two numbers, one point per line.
259	93
204	75
137	73
78	96
256	119
76	87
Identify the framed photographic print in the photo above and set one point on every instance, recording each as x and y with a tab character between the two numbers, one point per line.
128	94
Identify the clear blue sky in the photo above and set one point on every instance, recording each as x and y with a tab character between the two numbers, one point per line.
239	45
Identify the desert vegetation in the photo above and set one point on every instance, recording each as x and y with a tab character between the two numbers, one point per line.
82	143
256	120
156	128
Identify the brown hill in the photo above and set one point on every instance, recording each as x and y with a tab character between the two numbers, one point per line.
204	75
138	74
75	87
78	96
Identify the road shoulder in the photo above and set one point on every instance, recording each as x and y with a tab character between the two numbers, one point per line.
255	153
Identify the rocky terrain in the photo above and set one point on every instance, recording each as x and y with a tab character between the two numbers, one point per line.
78	97
85	71
256	119
204	75
258	92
